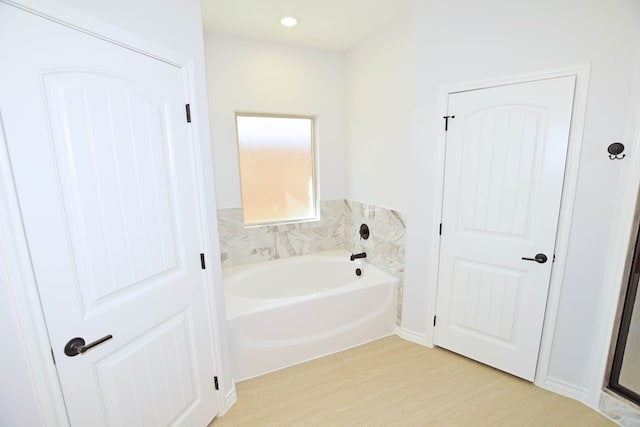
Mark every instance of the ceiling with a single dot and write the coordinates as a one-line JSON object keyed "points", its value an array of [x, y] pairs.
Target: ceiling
{"points": [[334, 25]]}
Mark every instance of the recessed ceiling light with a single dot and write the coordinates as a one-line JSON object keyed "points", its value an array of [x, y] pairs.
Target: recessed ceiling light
{"points": [[289, 21]]}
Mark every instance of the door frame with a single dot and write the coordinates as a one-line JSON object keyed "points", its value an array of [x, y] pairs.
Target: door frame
{"points": [[582, 74], [619, 266], [14, 254]]}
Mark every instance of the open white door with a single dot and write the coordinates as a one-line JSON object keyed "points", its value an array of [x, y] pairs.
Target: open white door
{"points": [[104, 168], [504, 170]]}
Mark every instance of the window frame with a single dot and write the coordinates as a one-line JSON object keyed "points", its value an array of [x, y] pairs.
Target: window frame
{"points": [[314, 167]]}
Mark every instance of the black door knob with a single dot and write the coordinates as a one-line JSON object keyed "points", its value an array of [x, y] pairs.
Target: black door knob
{"points": [[77, 345], [539, 258]]}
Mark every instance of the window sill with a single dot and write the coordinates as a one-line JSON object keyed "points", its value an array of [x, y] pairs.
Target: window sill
{"points": [[282, 222]]}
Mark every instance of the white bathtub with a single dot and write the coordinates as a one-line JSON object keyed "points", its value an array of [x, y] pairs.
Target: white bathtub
{"points": [[288, 311]]}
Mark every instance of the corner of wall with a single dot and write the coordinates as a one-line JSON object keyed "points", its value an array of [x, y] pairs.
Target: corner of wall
{"points": [[413, 337]]}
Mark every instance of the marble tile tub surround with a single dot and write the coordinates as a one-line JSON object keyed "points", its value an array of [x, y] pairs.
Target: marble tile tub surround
{"points": [[385, 245], [244, 245], [616, 408], [337, 229]]}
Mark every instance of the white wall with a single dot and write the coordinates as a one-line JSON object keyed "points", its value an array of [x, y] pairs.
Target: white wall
{"points": [[379, 78], [169, 24], [466, 41], [174, 24], [250, 76]]}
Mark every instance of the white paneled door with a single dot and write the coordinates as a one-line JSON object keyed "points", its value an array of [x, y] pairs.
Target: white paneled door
{"points": [[505, 159], [104, 168]]}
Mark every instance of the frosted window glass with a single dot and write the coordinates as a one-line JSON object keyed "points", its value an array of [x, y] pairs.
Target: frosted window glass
{"points": [[276, 168]]}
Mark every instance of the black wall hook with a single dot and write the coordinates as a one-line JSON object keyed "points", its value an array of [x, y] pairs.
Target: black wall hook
{"points": [[615, 150]]}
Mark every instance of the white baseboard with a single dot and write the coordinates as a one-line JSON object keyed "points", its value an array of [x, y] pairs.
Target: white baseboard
{"points": [[567, 389], [229, 399], [412, 336]]}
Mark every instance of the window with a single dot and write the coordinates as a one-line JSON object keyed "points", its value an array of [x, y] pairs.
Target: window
{"points": [[277, 168]]}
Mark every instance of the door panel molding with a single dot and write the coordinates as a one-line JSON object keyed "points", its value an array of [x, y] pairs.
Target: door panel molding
{"points": [[14, 249], [582, 74]]}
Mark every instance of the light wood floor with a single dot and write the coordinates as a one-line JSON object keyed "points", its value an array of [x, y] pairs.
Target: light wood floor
{"points": [[392, 382]]}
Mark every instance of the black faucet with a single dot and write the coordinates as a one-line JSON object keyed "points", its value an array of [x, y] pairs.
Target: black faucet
{"points": [[358, 256]]}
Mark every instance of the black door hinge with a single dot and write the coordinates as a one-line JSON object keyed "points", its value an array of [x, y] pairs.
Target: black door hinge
{"points": [[202, 264], [446, 121], [434, 320], [188, 109], [215, 383], [554, 258], [440, 232], [53, 356]]}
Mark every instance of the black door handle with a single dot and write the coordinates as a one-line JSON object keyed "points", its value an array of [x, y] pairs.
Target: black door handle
{"points": [[77, 345], [539, 258]]}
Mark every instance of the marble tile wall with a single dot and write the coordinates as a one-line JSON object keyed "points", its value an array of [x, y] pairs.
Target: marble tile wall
{"points": [[385, 245], [616, 408], [242, 245], [337, 229]]}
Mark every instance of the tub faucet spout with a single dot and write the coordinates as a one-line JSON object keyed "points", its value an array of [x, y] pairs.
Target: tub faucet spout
{"points": [[358, 256]]}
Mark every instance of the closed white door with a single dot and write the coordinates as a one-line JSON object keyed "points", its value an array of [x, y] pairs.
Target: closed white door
{"points": [[104, 169], [505, 159]]}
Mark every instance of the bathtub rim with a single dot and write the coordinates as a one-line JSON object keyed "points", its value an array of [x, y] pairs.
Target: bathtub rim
{"points": [[373, 276]]}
